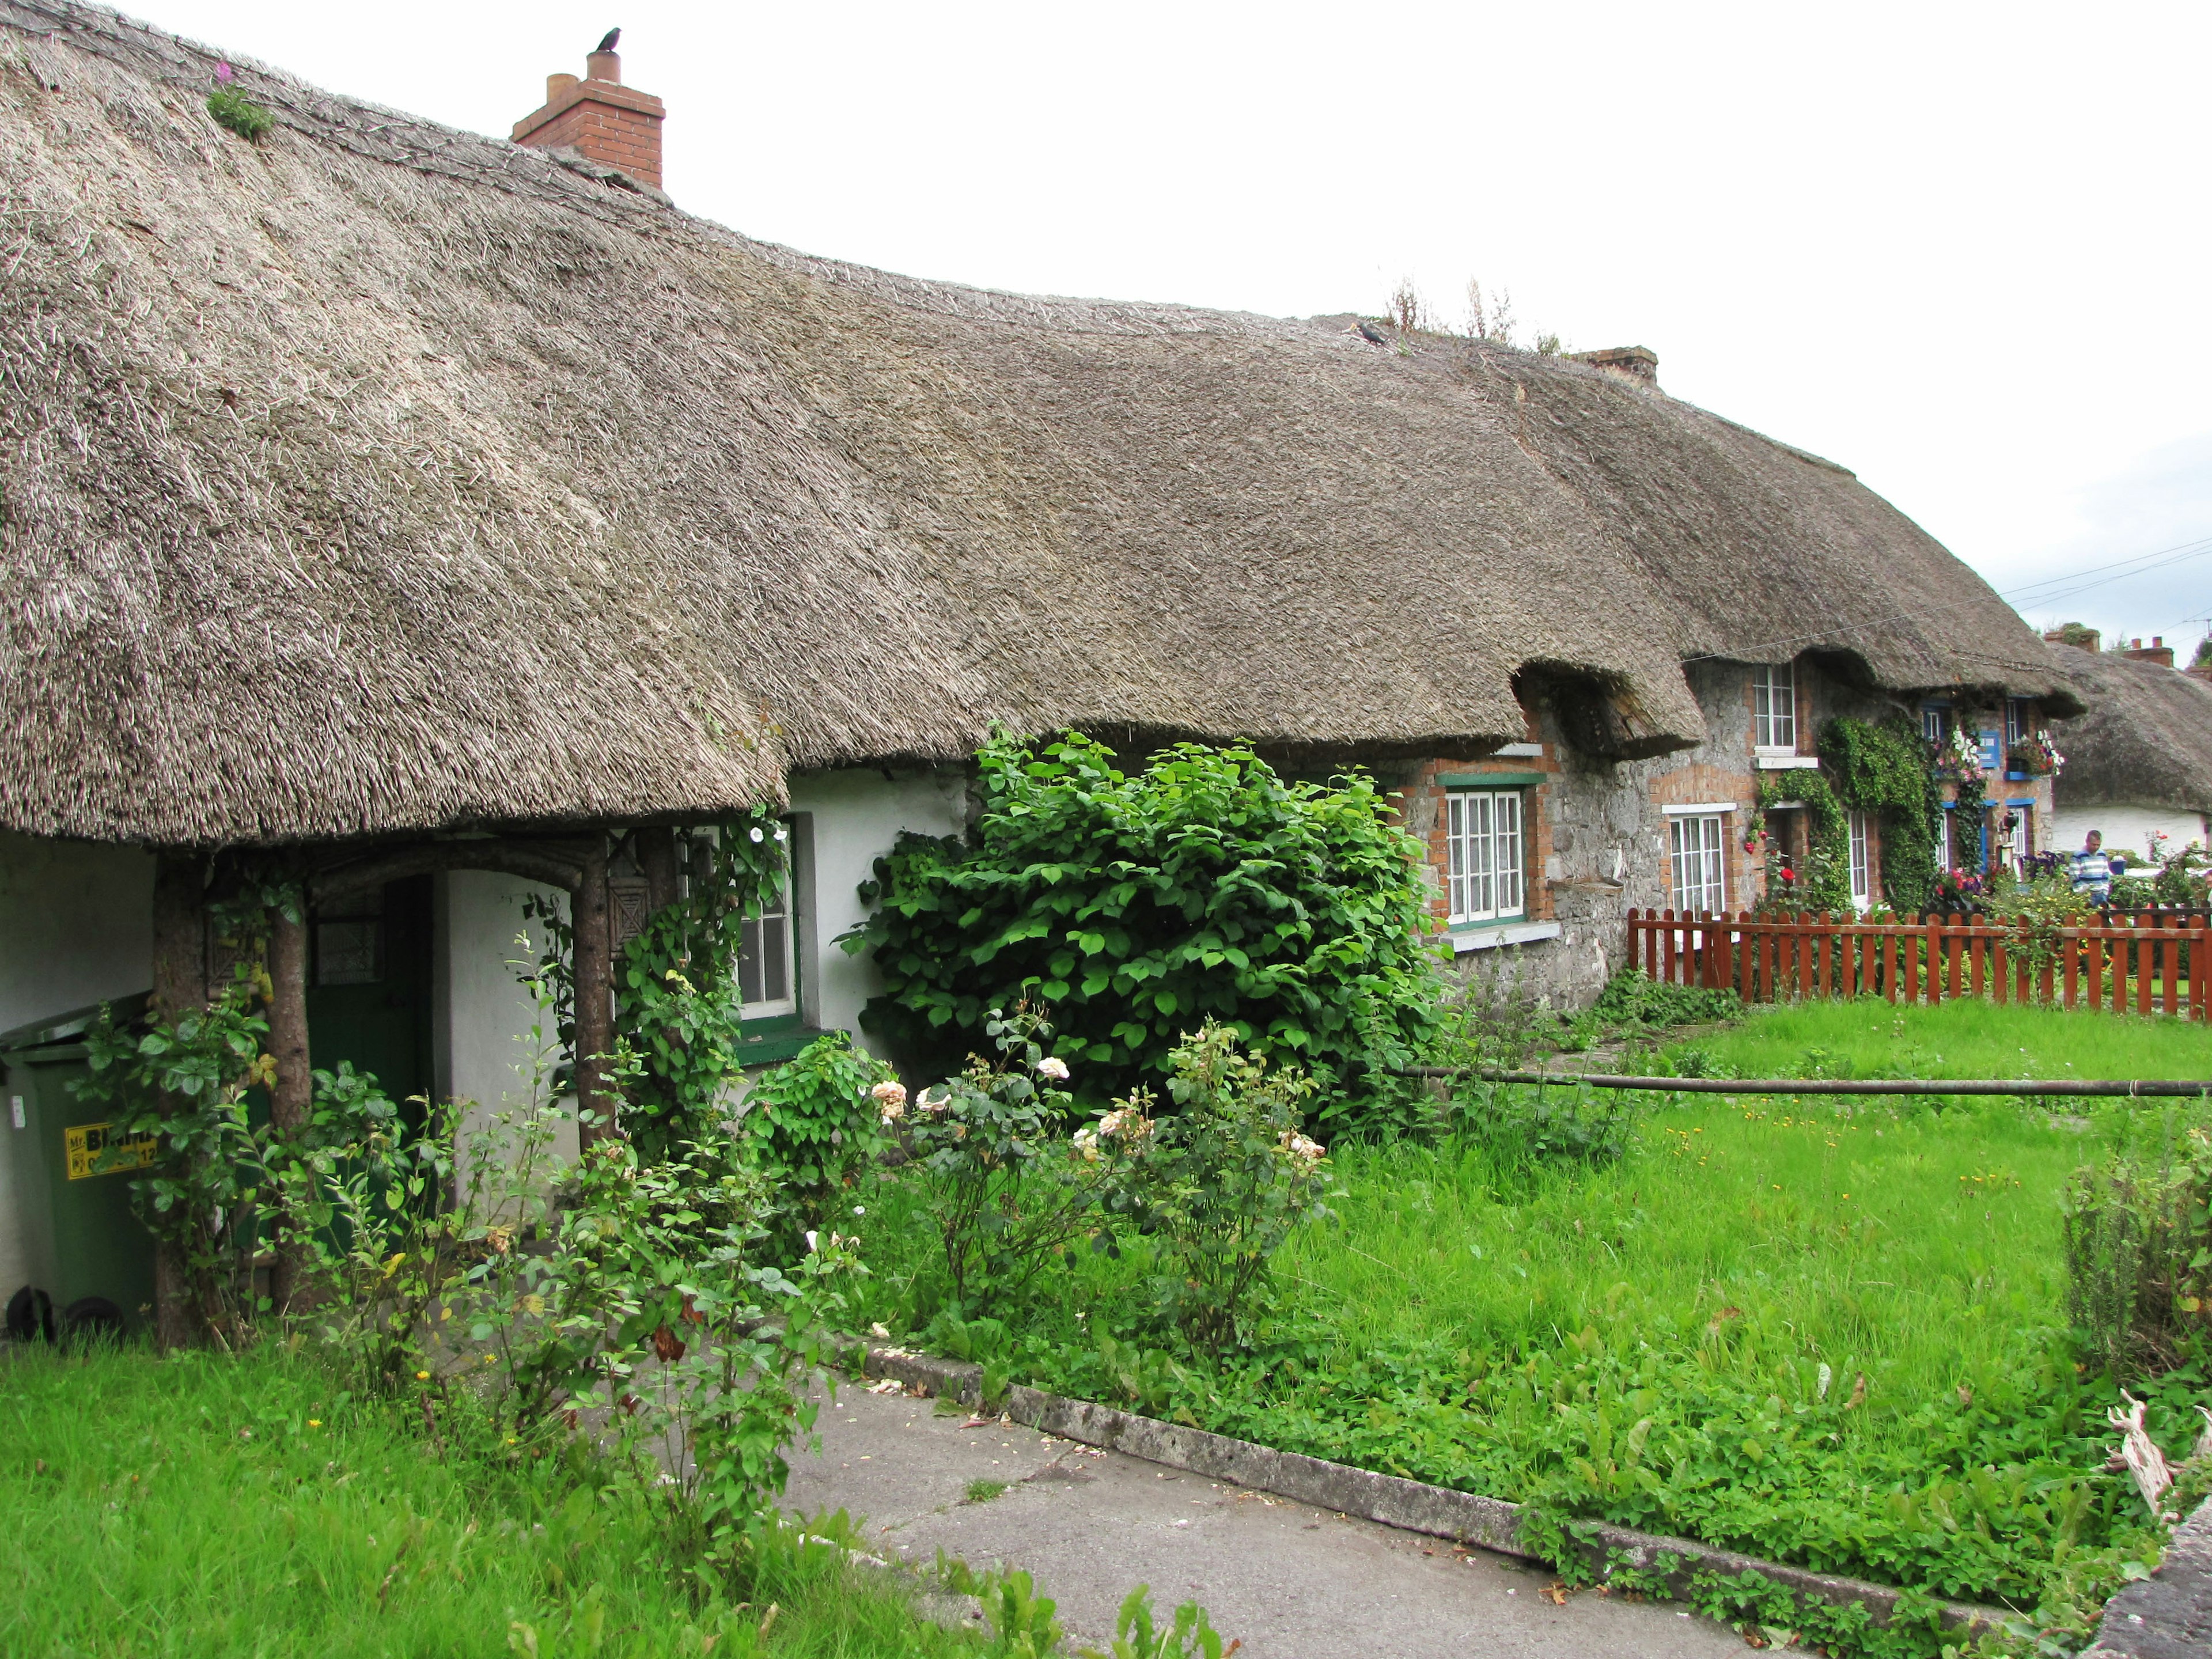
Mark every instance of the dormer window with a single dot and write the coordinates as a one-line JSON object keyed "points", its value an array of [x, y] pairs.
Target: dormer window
{"points": [[1774, 709]]}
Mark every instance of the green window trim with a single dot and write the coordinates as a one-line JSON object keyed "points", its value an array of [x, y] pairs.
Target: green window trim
{"points": [[1492, 780], [770, 1042]]}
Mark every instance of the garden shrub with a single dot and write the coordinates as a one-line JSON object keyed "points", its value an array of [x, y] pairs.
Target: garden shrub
{"points": [[1135, 906], [1633, 997], [1004, 1188], [1218, 1185], [812, 1125], [2138, 1233]]}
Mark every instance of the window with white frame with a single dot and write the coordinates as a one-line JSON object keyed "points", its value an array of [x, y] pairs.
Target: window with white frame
{"points": [[768, 983], [1774, 707], [1698, 846], [1943, 859], [1935, 722], [1861, 863], [2016, 721], [1483, 875]]}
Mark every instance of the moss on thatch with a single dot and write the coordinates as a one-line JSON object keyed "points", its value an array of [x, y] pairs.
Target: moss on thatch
{"points": [[379, 476]]}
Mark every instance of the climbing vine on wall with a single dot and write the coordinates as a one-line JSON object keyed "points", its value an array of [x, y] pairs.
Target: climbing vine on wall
{"points": [[678, 1009], [1821, 880], [1887, 769]]}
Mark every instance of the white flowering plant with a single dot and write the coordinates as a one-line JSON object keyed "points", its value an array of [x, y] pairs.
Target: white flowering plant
{"points": [[1009, 1188], [1217, 1184]]}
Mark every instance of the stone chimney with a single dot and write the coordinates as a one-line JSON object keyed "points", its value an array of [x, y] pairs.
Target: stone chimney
{"points": [[2157, 651], [1638, 362], [600, 118], [2085, 639]]}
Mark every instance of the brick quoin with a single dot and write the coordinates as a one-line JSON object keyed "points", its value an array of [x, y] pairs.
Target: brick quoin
{"points": [[615, 125]]}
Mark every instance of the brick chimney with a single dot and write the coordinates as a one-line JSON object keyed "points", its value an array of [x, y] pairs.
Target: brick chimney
{"points": [[2157, 651], [1638, 362], [2085, 639], [600, 117]]}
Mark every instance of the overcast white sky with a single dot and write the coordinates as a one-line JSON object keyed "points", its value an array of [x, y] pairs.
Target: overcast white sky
{"points": [[1964, 250]]}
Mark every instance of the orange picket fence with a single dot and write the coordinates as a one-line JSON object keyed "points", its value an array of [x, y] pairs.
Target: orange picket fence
{"points": [[2154, 963]]}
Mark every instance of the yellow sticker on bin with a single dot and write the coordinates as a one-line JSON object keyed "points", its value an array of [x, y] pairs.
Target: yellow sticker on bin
{"points": [[89, 1151]]}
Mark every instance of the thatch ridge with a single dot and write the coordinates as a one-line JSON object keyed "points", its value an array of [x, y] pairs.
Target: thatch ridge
{"points": [[382, 477], [2146, 738]]}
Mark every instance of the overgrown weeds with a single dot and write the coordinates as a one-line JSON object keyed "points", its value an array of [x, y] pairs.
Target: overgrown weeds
{"points": [[2137, 1235]]}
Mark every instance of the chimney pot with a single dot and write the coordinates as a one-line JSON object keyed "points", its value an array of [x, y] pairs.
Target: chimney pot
{"points": [[2157, 640], [558, 84], [2157, 651], [1638, 362], [604, 66]]}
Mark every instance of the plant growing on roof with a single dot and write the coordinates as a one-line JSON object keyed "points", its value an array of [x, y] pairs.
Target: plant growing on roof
{"points": [[233, 110], [1138, 905]]}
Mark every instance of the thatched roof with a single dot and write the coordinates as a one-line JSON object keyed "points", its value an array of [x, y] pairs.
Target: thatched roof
{"points": [[381, 477], [2146, 740]]}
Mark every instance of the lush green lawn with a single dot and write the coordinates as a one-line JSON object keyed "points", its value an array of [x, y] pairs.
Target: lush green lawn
{"points": [[1829, 1331], [1956, 1039], [206, 1506]]}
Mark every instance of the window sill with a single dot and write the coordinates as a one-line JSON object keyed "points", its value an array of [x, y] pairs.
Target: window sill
{"points": [[1489, 935], [773, 1041], [1785, 762]]}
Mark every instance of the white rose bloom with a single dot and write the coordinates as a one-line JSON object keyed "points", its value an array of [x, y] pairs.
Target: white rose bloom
{"points": [[809, 1241], [757, 835], [1053, 1066]]}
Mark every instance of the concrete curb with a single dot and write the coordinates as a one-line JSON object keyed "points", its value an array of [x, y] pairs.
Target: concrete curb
{"points": [[1409, 1505], [2167, 1615]]}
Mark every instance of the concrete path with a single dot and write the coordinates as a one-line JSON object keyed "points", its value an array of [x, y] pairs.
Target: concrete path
{"points": [[1293, 1582]]}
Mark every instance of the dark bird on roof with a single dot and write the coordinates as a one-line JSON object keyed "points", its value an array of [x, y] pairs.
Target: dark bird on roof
{"points": [[1370, 333], [608, 45]]}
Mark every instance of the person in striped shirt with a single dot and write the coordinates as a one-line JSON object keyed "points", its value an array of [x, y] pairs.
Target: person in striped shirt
{"points": [[2093, 871]]}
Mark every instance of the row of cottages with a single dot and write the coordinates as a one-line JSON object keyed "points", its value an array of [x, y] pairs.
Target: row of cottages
{"points": [[2139, 758], [465, 520]]}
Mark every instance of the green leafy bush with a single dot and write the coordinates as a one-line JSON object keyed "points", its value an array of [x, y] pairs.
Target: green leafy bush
{"points": [[813, 1124], [239, 113], [1633, 997], [1202, 887], [1005, 1190], [1218, 1185]]}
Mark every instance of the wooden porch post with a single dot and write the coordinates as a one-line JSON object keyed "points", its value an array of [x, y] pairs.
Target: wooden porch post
{"points": [[593, 968], [293, 1091], [179, 982], [656, 859]]}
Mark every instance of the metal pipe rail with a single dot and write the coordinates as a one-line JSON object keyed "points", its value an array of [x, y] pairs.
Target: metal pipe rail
{"points": [[2126, 1088]]}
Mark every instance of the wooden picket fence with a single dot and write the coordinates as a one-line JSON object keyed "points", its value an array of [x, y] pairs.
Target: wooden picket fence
{"points": [[2154, 963]]}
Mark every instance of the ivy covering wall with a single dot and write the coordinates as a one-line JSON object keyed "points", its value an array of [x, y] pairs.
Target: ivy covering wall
{"points": [[1885, 769]]}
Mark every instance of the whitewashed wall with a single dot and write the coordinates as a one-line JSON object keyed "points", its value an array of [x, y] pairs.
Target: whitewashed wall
{"points": [[481, 1017], [76, 927], [847, 820], [2125, 826]]}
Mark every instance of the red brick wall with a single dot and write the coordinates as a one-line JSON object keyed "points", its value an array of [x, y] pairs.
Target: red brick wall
{"points": [[611, 124]]}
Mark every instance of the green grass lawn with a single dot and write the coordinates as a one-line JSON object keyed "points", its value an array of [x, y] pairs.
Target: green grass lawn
{"points": [[207, 1506], [1826, 1330]]}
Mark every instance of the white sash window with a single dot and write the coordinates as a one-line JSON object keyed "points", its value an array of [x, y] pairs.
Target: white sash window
{"points": [[1698, 846], [1774, 709], [1483, 872]]}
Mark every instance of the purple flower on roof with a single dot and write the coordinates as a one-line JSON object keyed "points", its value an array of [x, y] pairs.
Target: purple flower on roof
{"points": [[224, 74]]}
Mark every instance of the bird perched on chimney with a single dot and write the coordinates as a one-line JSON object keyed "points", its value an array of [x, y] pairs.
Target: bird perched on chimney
{"points": [[608, 45]]}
